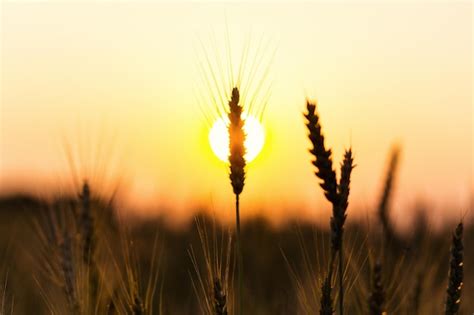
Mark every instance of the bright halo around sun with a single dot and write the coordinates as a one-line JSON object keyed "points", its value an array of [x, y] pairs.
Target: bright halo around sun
{"points": [[254, 138]]}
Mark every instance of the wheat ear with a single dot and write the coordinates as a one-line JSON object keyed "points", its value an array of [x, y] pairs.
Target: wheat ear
{"points": [[377, 294], [323, 160], [383, 208]]}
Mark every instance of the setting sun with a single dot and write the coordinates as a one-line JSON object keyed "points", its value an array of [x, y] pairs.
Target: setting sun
{"points": [[219, 138]]}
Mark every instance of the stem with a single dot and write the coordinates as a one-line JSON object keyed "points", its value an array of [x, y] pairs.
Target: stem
{"points": [[239, 256], [341, 286]]}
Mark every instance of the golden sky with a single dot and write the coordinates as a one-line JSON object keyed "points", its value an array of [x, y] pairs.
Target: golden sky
{"points": [[115, 84]]}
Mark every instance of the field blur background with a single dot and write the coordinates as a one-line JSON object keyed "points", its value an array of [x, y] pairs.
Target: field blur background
{"points": [[106, 92]]}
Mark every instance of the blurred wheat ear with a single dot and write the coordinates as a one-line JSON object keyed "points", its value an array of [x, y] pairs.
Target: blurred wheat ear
{"points": [[383, 207], [456, 273], [377, 293], [69, 276], [337, 194], [237, 176], [213, 285]]}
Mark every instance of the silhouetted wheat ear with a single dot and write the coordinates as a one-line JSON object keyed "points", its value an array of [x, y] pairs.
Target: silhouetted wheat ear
{"points": [[453, 299], [326, 300], [323, 160], [377, 294], [220, 299], [68, 274], [339, 212], [236, 143]]}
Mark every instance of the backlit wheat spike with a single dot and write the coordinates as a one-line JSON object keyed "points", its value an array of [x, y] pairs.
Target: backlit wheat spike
{"points": [[236, 142], [456, 273], [323, 160]]}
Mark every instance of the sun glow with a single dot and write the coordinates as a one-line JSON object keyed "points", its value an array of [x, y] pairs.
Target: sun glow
{"points": [[254, 138]]}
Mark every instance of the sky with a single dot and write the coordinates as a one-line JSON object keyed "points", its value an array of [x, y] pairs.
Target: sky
{"points": [[116, 93]]}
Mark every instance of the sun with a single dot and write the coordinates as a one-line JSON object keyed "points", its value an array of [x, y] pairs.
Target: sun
{"points": [[254, 138]]}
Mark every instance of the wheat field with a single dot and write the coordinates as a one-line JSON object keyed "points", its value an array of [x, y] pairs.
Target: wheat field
{"points": [[77, 255], [323, 169]]}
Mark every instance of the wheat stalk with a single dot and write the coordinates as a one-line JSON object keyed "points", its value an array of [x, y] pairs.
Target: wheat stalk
{"points": [[237, 175], [453, 296], [335, 193], [339, 218]]}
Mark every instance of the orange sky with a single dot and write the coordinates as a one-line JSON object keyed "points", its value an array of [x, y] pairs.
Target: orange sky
{"points": [[117, 82]]}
